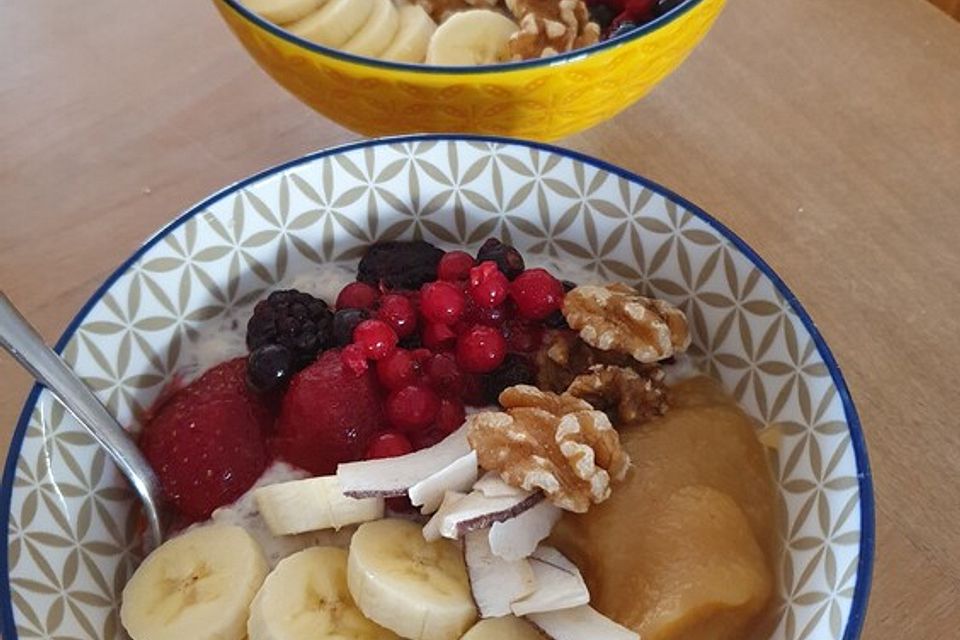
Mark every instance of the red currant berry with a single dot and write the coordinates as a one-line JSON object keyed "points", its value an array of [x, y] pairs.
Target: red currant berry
{"points": [[444, 375], [397, 311], [536, 293], [450, 417], [492, 317], [488, 286], [398, 370], [376, 337], [441, 302], [420, 357], [454, 266], [357, 295], [413, 297], [481, 349], [473, 391], [354, 359], [389, 444], [438, 336], [412, 408]]}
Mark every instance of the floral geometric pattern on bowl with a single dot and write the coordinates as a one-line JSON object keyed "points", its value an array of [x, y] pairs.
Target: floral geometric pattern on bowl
{"points": [[72, 525]]}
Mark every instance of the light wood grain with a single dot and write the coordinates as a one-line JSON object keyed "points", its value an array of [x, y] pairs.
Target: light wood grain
{"points": [[826, 133]]}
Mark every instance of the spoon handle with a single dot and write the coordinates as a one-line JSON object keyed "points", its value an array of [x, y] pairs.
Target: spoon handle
{"points": [[27, 346]]}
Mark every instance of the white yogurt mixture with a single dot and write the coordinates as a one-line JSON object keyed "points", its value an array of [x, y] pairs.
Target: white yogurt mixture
{"points": [[244, 513]]}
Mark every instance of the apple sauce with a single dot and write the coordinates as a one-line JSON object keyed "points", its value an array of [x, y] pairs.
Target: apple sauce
{"points": [[685, 546]]}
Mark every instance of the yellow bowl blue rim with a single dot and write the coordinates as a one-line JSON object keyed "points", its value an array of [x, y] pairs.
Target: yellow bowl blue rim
{"points": [[858, 608], [561, 59]]}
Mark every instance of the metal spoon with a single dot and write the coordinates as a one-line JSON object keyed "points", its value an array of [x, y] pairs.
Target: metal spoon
{"points": [[26, 345]]}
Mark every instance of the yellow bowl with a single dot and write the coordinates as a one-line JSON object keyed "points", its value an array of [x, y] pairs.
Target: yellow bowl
{"points": [[539, 99]]}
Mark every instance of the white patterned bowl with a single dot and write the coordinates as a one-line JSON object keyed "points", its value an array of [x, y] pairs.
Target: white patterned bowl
{"points": [[71, 523]]}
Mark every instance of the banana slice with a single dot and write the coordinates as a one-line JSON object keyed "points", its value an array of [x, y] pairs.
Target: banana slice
{"points": [[283, 11], [313, 504], [335, 23], [416, 588], [506, 628], [378, 31], [306, 598], [198, 585], [474, 37], [413, 36]]}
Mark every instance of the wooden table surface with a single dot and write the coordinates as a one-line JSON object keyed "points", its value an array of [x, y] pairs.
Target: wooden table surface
{"points": [[826, 133]]}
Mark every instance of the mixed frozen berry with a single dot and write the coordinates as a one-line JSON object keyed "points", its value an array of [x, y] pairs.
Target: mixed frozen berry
{"points": [[285, 333], [507, 258], [207, 442], [344, 322], [616, 17], [455, 266], [400, 265], [329, 414], [357, 295], [399, 312], [421, 335]]}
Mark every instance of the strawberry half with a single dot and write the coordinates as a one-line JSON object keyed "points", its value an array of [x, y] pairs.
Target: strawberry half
{"points": [[329, 415], [206, 441]]}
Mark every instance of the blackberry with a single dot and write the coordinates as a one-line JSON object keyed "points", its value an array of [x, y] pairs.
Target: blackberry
{"points": [[515, 370], [292, 319], [508, 259], [399, 265], [344, 322], [269, 367], [568, 285]]}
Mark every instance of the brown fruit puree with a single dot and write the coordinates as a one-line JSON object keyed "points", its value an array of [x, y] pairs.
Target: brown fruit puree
{"points": [[684, 548]]}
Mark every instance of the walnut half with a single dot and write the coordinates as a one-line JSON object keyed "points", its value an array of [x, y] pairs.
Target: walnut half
{"points": [[549, 27], [615, 317], [563, 356], [626, 395], [556, 443]]}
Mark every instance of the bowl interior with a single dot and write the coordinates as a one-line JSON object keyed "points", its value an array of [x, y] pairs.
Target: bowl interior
{"points": [[72, 526]]}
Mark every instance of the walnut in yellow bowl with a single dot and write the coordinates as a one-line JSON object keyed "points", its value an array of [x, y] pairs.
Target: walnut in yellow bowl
{"points": [[551, 91]]}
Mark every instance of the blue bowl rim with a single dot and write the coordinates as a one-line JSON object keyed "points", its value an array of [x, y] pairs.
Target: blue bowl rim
{"points": [[861, 594], [557, 60]]}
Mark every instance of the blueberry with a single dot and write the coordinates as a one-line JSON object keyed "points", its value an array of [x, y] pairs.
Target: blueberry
{"points": [[508, 259], [344, 322], [269, 367]]}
